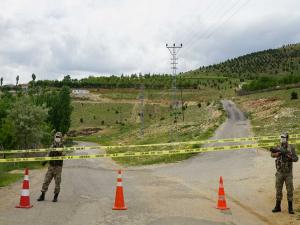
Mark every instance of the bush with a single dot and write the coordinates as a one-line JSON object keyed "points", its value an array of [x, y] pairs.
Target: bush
{"points": [[81, 120], [294, 95]]}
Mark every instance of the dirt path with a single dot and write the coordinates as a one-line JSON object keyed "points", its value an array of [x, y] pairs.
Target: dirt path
{"points": [[173, 194]]}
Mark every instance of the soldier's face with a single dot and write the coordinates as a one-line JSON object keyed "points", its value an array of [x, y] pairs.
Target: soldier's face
{"points": [[283, 140], [57, 139]]}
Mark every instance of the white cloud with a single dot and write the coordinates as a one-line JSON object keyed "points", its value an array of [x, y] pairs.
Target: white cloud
{"points": [[54, 38]]}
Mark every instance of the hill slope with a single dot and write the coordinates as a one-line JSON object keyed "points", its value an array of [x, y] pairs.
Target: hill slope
{"points": [[274, 62]]}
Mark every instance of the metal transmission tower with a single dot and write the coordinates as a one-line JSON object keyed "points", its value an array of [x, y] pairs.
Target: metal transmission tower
{"points": [[142, 109], [174, 50]]}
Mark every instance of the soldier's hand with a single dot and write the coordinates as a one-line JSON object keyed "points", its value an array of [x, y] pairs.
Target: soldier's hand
{"points": [[289, 156], [44, 163], [277, 154]]}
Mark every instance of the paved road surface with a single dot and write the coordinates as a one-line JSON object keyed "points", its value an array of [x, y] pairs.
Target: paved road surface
{"points": [[182, 193]]}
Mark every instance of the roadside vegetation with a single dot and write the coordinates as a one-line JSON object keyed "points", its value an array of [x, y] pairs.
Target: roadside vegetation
{"points": [[28, 119], [272, 113], [149, 81]]}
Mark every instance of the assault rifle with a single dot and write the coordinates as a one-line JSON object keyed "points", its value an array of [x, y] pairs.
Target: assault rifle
{"points": [[283, 152]]}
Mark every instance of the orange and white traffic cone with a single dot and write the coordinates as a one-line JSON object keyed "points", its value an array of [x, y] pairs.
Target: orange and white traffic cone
{"points": [[119, 199], [221, 198], [25, 198]]}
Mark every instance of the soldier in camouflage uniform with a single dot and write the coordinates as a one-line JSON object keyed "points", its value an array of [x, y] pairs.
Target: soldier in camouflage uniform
{"points": [[285, 157], [54, 169]]}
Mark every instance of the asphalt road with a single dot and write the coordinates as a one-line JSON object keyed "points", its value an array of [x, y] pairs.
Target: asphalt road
{"points": [[182, 193]]}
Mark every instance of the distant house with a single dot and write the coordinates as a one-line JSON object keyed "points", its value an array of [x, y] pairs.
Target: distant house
{"points": [[24, 87], [80, 91]]}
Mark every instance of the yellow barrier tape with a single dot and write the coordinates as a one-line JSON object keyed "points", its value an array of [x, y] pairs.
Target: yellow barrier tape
{"points": [[262, 138], [49, 149], [145, 153]]}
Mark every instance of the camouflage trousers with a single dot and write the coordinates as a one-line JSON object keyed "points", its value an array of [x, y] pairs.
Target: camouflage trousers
{"points": [[286, 178], [53, 172]]}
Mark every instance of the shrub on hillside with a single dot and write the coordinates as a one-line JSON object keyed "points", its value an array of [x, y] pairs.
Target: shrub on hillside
{"points": [[294, 95]]}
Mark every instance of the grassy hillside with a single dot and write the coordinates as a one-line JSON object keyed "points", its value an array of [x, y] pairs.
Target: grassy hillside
{"points": [[117, 113], [273, 112], [275, 62]]}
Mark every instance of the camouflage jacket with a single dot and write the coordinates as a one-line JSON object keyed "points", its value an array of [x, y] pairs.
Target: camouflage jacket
{"points": [[284, 164], [54, 154]]}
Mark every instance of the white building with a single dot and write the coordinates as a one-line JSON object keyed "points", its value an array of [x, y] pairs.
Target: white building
{"points": [[80, 91]]}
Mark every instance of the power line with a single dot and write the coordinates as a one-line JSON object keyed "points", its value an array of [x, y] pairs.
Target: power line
{"points": [[196, 36], [223, 19], [212, 9], [228, 18]]}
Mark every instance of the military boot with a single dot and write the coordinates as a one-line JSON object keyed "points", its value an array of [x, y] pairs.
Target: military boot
{"points": [[291, 211], [277, 207], [42, 197], [55, 197]]}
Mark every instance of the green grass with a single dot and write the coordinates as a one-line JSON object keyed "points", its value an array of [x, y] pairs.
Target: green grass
{"points": [[204, 94], [94, 114], [7, 178], [148, 160], [283, 117], [199, 122], [267, 124]]}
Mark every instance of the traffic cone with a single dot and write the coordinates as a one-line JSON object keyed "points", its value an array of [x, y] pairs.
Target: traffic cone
{"points": [[119, 200], [25, 198], [221, 200]]}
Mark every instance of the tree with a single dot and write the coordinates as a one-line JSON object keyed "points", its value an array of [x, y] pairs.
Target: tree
{"points": [[17, 80], [294, 95], [67, 81], [60, 110], [26, 124], [33, 77]]}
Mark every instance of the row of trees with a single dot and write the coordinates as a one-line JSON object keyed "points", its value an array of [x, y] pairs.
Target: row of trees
{"points": [[28, 120], [17, 79], [271, 81], [155, 81]]}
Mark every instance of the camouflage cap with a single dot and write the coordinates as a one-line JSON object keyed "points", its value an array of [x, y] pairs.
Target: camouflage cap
{"points": [[284, 135], [58, 134]]}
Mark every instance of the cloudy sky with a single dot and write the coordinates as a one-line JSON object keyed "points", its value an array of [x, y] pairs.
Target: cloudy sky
{"points": [[87, 37]]}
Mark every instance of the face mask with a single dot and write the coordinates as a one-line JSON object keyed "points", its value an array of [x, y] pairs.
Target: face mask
{"points": [[283, 140]]}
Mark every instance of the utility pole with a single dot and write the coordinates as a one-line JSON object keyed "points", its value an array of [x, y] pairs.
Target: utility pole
{"points": [[173, 51], [142, 108]]}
